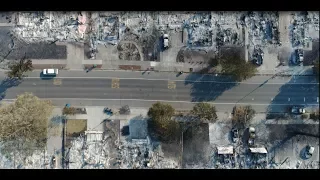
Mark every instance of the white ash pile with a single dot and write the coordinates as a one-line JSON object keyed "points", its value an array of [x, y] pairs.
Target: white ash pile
{"points": [[166, 21], [109, 29], [299, 30], [227, 28], [303, 24], [199, 29], [38, 160], [314, 19], [5, 163], [50, 26], [263, 27], [93, 155], [142, 156], [227, 36], [137, 22]]}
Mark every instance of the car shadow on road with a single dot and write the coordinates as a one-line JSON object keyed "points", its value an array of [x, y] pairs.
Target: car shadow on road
{"points": [[210, 87], [46, 77], [290, 94], [7, 84]]}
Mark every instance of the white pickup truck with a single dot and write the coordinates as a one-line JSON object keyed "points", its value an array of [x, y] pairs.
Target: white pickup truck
{"points": [[50, 71]]}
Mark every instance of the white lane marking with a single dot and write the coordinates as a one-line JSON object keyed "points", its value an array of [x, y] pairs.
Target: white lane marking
{"points": [[288, 99], [177, 80], [144, 100]]}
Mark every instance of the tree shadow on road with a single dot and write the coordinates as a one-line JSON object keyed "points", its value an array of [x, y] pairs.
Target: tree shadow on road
{"points": [[207, 87], [290, 94], [6, 84]]}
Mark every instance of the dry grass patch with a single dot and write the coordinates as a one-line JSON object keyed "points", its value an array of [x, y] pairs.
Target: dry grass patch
{"points": [[75, 127]]}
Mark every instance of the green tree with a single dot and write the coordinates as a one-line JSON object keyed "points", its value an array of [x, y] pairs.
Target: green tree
{"points": [[238, 68], [161, 123], [205, 112], [242, 115], [24, 123], [17, 68]]}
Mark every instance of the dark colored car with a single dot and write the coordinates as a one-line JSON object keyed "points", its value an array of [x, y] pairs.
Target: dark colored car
{"points": [[235, 135]]}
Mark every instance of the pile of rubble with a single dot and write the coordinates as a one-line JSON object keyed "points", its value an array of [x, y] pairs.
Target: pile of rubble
{"points": [[199, 30], [263, 28], [38, 160], [142, 156], [93, 155], [172, 20], [314, 19], [226, 37], [299, 30], [50, 26], [137, 22]]}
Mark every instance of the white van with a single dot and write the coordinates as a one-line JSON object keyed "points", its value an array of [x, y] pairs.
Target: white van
{"points": [[50, 71]]}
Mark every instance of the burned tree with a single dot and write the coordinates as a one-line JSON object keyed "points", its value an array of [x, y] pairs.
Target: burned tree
{"points": [[69, 111], [19, 67], [161, 123], [124, 110], [24, 123], [242, 116], [205, 112]]}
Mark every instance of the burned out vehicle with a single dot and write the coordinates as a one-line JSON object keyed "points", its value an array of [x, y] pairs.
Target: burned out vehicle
{"points": [[309, 151], [257, 57], [235, 135], [225, 157], [258, 158], [299, 57], [252, 136]]}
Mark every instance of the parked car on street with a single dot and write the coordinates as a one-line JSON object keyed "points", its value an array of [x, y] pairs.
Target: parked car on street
{"points": [[50, 71], [298, 110]]}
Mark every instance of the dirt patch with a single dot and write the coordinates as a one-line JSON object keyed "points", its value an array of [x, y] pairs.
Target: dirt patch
{"points": [[129, 67], [128, 51], [172, 150], [75, 127], [194, 56], [195, 144], [88, 66], [46, 66]]}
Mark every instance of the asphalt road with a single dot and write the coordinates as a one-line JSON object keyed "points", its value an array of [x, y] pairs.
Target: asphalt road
{"points": [[137, 87]]}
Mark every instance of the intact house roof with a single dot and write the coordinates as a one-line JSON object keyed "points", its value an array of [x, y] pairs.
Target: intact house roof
{"points": [[138, 129], [225, 150], [260, 150]]}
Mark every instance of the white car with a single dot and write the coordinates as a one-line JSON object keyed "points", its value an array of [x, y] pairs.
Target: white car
{"points": [[166, 40], [50, 71]]}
